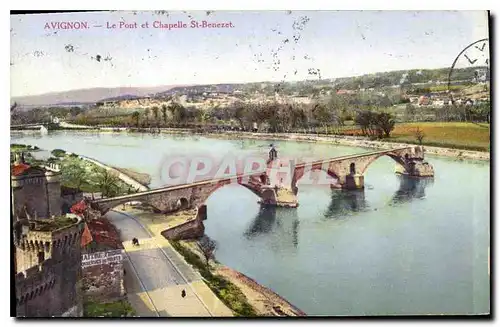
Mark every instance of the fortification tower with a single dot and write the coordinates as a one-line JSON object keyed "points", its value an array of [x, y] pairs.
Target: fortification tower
{"points": [[36, 192], [48, 267]]}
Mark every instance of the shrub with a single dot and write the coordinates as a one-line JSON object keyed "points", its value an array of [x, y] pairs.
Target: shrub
{"points": [[58, 153]]}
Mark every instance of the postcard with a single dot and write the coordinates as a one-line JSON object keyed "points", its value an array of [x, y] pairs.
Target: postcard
{"points": [[250, 163]]}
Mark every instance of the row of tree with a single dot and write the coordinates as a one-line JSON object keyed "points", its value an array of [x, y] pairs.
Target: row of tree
{"points": [[329, 113]]}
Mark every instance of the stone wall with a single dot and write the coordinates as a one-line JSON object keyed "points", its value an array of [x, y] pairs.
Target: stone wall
{"points": [[68, 200], [188, 230], [102, 275], [51, 288], [41, 194]]}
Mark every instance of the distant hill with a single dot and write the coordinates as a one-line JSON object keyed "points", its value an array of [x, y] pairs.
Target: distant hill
{"points": [[121, 97], [376, 80], [86, 96]]}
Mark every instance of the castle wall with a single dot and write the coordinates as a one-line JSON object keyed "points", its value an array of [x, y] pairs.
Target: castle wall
{"points": [[33, 196], [41, 194], [69, 200], [54, 200], [102, 275], [51, 288]]}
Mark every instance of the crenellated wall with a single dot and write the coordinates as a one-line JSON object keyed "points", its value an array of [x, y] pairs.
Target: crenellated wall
{"points": [[49, 270]]}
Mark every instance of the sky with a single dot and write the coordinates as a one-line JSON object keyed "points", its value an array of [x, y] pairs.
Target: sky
{"points": [[260, 46]]}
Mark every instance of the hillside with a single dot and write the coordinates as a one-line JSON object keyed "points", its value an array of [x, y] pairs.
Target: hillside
{"points": [[406, 78], [91, 95]]}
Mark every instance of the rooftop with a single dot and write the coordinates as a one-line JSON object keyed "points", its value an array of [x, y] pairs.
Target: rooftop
{"points": [[25, 169], [104, 235], [48, 225]]}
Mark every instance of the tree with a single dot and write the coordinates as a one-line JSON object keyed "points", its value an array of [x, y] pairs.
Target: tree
{"points": [[135, 116], [364, 119], [240, 113], [107, 182], [147, 111], [207, 248], [178, 112], [74, 174], [203, 115], [338, 106], [323, 115], [58, 153], [164, 113], [155, 114], [419, 135], [385, 123], [298, 116]]}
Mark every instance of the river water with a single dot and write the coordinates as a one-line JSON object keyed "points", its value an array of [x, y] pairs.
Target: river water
{"points": [[399, 247]]}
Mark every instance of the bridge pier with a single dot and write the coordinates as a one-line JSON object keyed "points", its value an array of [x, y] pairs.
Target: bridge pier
{"points": [[353, 182], [416, 168], [278, 197]]}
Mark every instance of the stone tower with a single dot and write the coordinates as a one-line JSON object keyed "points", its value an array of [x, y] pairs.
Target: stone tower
{"points": [[48, 267], [36, 192]]}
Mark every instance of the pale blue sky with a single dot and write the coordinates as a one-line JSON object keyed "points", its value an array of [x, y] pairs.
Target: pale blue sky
{"points": [[339, 43]]}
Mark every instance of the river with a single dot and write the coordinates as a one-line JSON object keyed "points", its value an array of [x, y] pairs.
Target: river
{"points": [[398, 247]]}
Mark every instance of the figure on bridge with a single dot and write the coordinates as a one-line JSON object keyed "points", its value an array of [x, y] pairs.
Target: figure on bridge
{"points": [[135, 242], [273, 153]]}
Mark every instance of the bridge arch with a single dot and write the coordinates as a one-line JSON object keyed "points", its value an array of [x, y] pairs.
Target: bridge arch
{"points": [[363, 166], [308, 168], [254, 188], [182, 203]]}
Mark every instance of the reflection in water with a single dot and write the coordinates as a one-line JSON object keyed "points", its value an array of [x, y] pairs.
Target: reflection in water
{"points": [[284, 222], [411, 188], [344, 202], [286, 226], [263, 222]]}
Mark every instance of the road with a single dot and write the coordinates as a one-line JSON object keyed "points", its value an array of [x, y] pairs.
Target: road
{"points": [[156, 275]]}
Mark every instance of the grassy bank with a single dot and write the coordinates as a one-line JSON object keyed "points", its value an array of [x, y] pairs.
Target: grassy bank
{"points": [[456, 135], [23, 147], [229, 293], [119, 308]]}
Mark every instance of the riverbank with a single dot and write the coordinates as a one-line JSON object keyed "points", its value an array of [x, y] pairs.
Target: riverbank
{"points": [[124, 177], [355, 141], [239, 292], [236, 289]]}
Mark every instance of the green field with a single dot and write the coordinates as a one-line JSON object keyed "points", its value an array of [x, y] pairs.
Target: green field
{"points": [[469, 136]]}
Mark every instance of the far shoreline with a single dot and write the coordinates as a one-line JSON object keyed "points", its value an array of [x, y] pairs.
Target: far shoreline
{"points": [[360, 142]]}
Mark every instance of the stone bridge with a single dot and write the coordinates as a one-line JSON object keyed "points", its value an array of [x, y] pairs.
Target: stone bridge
{"points": [[278, 184]]}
